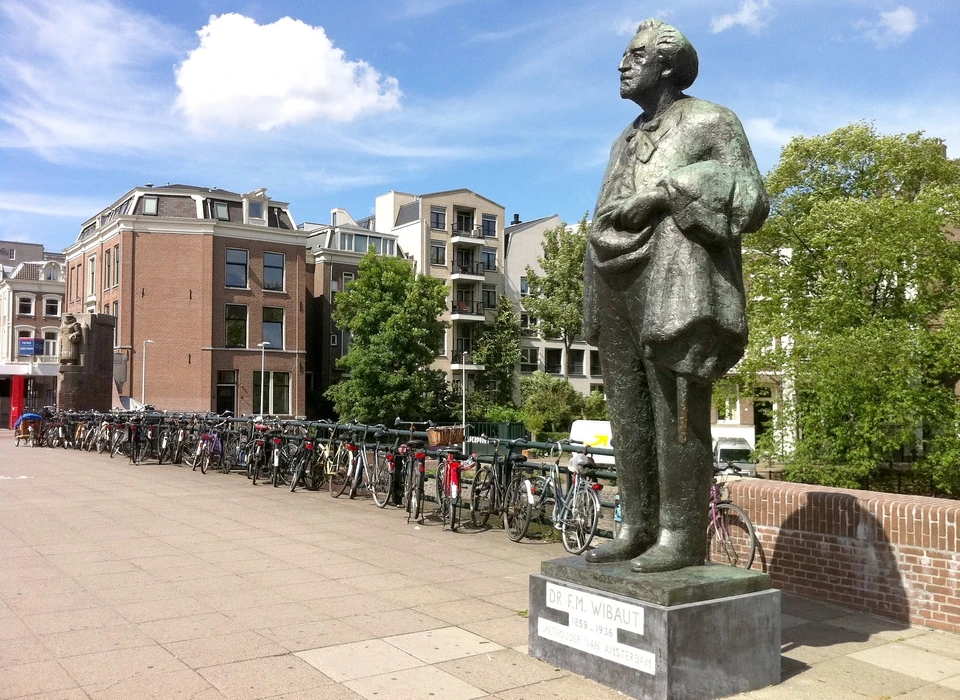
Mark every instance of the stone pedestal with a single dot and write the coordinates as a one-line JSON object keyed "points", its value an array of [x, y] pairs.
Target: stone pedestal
{"points": [[88, 384], [701, 632]]}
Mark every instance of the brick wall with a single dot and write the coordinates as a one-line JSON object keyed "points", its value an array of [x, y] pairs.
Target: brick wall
{"points": [[886, 554]]}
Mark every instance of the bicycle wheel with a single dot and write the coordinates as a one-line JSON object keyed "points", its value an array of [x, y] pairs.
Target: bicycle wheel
{"points": [[298, 470], [416, 503], [257, 462], [580, 524], [731, 538], [231, 450], [481, 497], [204, 458], [516, 510], [359, 469], [315, 473], [188, 451], [338, 475], [381, 479]]}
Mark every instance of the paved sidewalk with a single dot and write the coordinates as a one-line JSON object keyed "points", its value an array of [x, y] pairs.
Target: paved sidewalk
{"points": [[123, 582]]}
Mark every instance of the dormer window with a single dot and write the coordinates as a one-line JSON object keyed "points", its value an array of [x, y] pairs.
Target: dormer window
{"points": [[255, 209], [150, 206], [220, 211]]}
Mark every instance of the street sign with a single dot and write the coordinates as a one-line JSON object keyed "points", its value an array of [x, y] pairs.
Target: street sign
{"points": [[31, 346]]}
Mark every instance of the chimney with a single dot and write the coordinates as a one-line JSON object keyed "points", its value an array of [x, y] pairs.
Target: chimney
{"points": [[516, 220], [149, 184]]}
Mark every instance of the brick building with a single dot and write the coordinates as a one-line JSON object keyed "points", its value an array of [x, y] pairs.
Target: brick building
{"points": [[202, 276], [31, 301]]}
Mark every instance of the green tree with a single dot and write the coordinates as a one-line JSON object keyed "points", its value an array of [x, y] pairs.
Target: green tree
{"points": [[556, 295], [548, 403], [393, 317], [595, 407], [498, 349], [853, 283]]}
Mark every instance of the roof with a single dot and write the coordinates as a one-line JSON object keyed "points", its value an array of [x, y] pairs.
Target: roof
{"points": [[407, 213], [459, 191], [195, 188], [31, 271], [517, 228]]}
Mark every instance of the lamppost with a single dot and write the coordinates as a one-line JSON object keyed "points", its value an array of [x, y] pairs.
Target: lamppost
{"points": [[143, 374], [263, 374], [464, 359]]}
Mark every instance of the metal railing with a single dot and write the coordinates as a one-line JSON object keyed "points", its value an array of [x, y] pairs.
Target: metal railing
{"points": [[474, 308]]}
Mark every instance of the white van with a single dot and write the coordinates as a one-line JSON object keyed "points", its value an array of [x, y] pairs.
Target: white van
{"points": [[735, 452]]}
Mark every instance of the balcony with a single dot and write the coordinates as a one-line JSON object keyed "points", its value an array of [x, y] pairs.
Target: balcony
{"points": [[463, 356], [468, 270], [467, 311], [467, 236]]}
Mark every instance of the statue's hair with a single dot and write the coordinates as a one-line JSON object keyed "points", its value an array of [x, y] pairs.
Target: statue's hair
{"points": [[675, 50]]}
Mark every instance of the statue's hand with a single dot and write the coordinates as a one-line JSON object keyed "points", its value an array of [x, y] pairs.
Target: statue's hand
{"points": [[634, 213]]}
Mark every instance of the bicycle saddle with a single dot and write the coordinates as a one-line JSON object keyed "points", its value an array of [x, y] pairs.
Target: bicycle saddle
{"points": [[516, 459], [415, 443]]}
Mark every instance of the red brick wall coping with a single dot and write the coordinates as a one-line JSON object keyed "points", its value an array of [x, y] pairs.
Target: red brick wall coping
{"points": [[891, 555]]}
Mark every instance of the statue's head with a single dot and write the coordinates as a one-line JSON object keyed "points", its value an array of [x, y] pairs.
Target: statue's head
{"points": [[69, 318], [657, 53]]}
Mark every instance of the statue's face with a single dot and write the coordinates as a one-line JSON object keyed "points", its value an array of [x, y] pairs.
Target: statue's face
{"points": [[641, 68]]}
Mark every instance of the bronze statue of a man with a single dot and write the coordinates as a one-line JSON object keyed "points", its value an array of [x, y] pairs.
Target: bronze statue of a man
{"points": [[663, 294], [70, 339]]}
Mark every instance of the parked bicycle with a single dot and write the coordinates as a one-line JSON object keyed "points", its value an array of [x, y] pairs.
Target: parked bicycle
{"points": [[731, 538]]}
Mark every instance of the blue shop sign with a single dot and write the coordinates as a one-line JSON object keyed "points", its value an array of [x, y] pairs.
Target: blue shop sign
{"points": [[31, 346]]}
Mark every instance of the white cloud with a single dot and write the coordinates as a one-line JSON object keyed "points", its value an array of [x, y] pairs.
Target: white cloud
{"points": [[72, 79], [893, 27], [244, 75], [753, 14], [49, 205], [766, 132]]}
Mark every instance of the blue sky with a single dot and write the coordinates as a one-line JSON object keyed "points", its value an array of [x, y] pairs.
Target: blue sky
{"points": [[330, 103]]}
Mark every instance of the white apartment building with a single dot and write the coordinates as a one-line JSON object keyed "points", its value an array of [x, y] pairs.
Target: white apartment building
{"points": [[456, 236], [524, 246]]}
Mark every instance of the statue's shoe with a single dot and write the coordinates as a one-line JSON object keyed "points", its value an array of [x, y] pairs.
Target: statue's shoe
{"points": [[619, 549], [662, 557]]}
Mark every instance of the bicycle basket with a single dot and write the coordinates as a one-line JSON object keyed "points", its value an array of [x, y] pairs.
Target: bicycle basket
{"points": [[446, 435]]}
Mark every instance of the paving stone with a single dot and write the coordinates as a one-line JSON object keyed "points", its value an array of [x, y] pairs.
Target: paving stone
{"points": [[103, 668], [434, 646], [497, 671], [910, 661], [223, 649], [92, 641], [266, 678], [425, 683], [371, 657], [33, 678]]}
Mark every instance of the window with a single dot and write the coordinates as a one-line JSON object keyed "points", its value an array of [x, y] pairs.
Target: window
{"points": [[347, 278], [51, 307], [276, 386], [227, 391], [221, 211], [576, 362], [254, 210], [116, 265], [438, 253], [116, 323], [107, 269], [438, 218], [554, 361], [489, 259], [92, 267], [596, 387], [347, 336], [273, 327], [333, 218], [595, 370], [52, 274], [273, 271], [529, 359], [236, 268], [21, 334], [25, 306], [728, 408], [50, 339], [334, 340], [236, 322], [528, 325], [489, 226], [150, 206], [489, 292], [524, 288], [464, 222]]}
